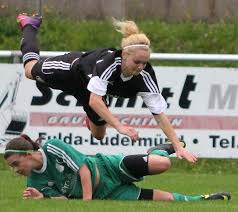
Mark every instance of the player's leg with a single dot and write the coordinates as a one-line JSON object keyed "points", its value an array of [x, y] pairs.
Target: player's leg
{"points": [[29, 46], [93, 121], [158, 195], [28, 68], [164, 149], [156, 162], [152, 194], [98, 131], [158, 157], [142, 165]]}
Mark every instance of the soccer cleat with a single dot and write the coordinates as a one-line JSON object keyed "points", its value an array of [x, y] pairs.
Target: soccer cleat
{"points": [[217, 196], [168, 147], [24, 19]]}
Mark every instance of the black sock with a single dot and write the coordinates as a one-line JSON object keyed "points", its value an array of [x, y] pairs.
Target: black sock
{"points": [[29, 46]]}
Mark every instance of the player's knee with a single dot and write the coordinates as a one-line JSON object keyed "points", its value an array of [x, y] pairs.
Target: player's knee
{"points": [[28, 68], [99, 137], [98, 132], [165, 164], [158, 164], [28, 75]]}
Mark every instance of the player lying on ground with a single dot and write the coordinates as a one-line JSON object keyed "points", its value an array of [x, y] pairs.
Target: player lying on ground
{"points": [[93, 75], [57, 170]]}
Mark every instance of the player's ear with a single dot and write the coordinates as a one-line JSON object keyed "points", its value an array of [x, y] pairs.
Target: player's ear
{"points": [[124, 53]]}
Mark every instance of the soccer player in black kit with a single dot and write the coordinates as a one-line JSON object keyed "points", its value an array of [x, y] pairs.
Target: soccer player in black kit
{"points": [[92, 75]]}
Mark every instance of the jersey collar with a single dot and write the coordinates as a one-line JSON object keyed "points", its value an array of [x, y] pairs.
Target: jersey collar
{"points": [[125, 78], [44, 162]]}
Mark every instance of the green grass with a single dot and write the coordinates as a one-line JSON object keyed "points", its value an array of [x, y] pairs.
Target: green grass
{"points": [[178, 179]]}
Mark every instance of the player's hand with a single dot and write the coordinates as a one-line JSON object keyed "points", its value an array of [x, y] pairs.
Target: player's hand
{"points": [[129, 131], [32, 193], [183, 153]]}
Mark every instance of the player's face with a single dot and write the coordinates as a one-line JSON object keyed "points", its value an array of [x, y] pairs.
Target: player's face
{"points": [[135, 61], [21, 164]]}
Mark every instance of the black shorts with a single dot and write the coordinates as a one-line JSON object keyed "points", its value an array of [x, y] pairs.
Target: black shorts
{"points": [[58, 73]]}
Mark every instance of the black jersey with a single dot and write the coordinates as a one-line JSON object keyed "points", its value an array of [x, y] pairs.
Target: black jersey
{"points": [[83, 67], [106, 78]]}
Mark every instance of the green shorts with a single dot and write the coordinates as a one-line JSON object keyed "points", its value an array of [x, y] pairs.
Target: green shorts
{"points": [[116, 183]]}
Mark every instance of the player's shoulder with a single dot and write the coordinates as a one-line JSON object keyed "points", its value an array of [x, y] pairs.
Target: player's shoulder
{"points": [[148, 68], [109, 56], [57, 143], [148, 71]]}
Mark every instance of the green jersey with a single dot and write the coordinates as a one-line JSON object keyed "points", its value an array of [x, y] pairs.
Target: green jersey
{"points": [[59, 175]]}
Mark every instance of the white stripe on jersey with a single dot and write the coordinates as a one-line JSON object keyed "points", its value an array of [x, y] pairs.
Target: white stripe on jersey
{"points": [[62, 154], [99, 61], [108, 74], [56, 65], [110, 69], [149, 82]]}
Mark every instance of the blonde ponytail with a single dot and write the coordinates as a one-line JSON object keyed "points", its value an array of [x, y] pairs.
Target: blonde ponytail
{"points": [[132, 36]]}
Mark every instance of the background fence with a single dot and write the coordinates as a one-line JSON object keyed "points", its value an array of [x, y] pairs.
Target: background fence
{"points": [[211, 10], [15, 55]]}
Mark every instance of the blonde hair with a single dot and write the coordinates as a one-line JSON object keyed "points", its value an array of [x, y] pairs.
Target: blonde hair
{"points": [[132, 36]]}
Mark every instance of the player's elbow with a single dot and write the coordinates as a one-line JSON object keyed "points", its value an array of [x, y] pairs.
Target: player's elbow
{"points": [[94, 101]]}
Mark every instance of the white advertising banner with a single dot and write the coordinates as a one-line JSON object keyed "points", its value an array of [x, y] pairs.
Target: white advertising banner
{"points": [[202, 107]]}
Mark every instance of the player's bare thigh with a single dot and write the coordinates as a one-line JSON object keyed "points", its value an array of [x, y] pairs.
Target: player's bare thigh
{"points": [[158, 164]]}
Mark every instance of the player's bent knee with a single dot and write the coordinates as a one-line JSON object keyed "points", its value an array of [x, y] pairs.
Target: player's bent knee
{"points": [[99, 137], [28, 75], [28, 68], [158, 164], [98, 132], [166, 164]]}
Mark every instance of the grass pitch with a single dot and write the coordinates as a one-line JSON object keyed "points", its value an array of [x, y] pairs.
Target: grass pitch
{"points": [[175, 180]]}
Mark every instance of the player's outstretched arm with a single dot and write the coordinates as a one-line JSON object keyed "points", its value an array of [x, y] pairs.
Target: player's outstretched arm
{"points": [[169, 131], [97, 104], [86, 182]]}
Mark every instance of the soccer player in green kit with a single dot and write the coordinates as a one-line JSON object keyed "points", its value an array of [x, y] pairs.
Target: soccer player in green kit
{"points": [[57, 170]]}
